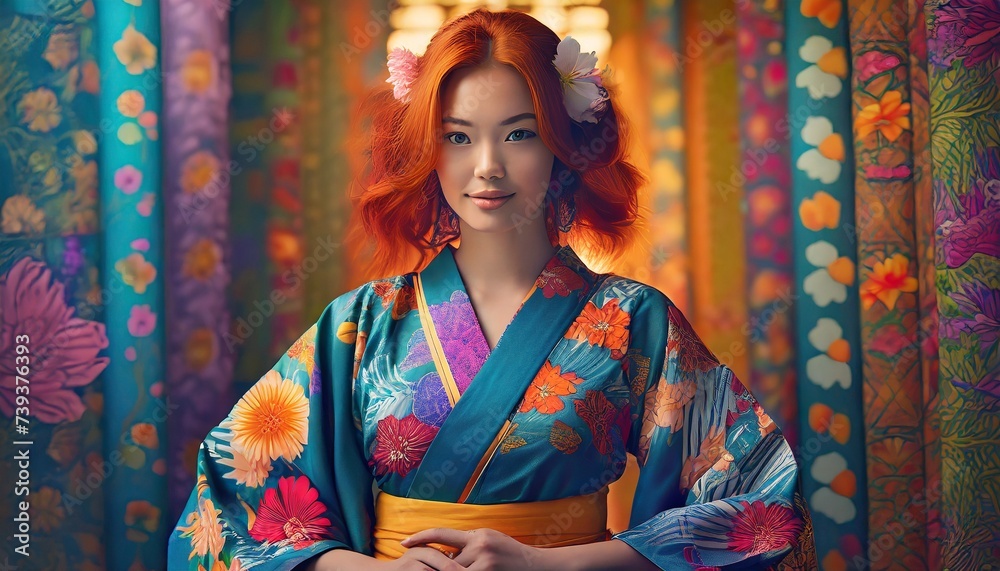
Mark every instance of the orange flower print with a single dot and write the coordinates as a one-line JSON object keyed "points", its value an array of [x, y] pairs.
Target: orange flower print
{"points": [[666, 405], [198, 170], [136, 271], [406, 301], [135, 51], [888, 280], [713, 448], [198, 71], [403, 295], [144, 434], [692, 354], [202, 260], [20, 215], [284, 247], [828, 11], [303, 349], [819, 212], [47, 508], [199, 348], [890, 116], [271, 420], [250, 473], [544, 392], [39, 110], [131, 103], [605, 327], [204, 529], [144, 515]]}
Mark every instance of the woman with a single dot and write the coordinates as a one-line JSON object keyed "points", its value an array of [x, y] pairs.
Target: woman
{"points": [[492, 396]]}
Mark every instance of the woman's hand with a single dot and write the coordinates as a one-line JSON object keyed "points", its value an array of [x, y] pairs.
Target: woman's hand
{"points": [[421, 559], [481, 549], [416, 559]]}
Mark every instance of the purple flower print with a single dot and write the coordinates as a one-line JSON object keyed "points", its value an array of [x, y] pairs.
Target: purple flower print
{"points": [[72, 257], [973, 225], [982, 306], [968, 29]]}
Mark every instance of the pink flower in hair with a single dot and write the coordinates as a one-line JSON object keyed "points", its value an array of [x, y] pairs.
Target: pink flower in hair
{"points": [[402, 72]]}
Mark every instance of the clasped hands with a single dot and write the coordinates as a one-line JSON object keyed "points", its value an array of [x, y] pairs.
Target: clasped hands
{"points": [[477, 550]]}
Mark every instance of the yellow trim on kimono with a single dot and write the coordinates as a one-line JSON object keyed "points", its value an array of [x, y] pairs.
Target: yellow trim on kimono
{"points": [[437, 350], [576, 520], [484, 461]]}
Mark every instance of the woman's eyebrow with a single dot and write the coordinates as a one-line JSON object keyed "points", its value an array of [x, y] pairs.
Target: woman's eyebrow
{"points": [[507, 121]]}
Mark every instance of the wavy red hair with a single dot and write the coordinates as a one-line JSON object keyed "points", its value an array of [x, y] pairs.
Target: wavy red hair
{"points": [[397, 199]]}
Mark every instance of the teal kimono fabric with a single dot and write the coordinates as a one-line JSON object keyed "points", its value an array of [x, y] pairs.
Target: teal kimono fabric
{"points": [[395, 388]]}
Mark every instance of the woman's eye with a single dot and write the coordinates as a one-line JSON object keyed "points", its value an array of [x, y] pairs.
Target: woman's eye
{"points": [[520, 135], [457, 138]]}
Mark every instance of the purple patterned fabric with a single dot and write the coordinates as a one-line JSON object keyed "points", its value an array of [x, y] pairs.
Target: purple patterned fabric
{"points": [[430, 401], [196, 189], [461, 337], [970, 227]]}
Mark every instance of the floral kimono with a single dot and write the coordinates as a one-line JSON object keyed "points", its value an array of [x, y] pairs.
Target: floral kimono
{"points": [[395, 388]]}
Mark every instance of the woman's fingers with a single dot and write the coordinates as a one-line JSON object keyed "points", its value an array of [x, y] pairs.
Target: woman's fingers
{"points": [[430, 556], [443, 535]]}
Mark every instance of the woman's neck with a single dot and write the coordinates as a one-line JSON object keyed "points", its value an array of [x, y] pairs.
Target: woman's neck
{"points": [[501, 262]]}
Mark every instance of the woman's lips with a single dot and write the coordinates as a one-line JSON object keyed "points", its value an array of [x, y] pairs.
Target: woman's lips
{"points": [[490, 203]]}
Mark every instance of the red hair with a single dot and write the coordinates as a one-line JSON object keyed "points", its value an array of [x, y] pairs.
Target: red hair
{"points": [[399, 198]]}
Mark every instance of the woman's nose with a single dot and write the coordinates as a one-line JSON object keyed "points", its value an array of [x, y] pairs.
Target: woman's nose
{"points": [[490, 165]]}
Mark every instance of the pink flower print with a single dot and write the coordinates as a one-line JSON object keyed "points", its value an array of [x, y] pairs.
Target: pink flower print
{"points": [[128, 179], [141, 321], [875, 62], [145, 206], [884, 172], [62, 348]]}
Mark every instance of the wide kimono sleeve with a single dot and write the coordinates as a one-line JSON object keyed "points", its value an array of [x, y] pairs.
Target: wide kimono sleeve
{"points": [[283, 477], [717, 484]]}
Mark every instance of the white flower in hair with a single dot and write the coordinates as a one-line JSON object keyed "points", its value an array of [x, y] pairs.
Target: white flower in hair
{"points": [[583, 90]]}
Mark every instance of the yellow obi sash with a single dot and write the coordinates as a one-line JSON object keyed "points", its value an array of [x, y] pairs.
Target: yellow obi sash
{"points": [[554, 523]]}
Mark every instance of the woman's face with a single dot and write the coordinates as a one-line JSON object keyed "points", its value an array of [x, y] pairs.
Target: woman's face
{"points": [[490, 142]]}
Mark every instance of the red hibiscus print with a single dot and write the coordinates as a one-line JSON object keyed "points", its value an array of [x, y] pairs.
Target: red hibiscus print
{"points": [[291, 514], [601, 416], [761, 528], [692, 354], [401, 444], [559, 280]]}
